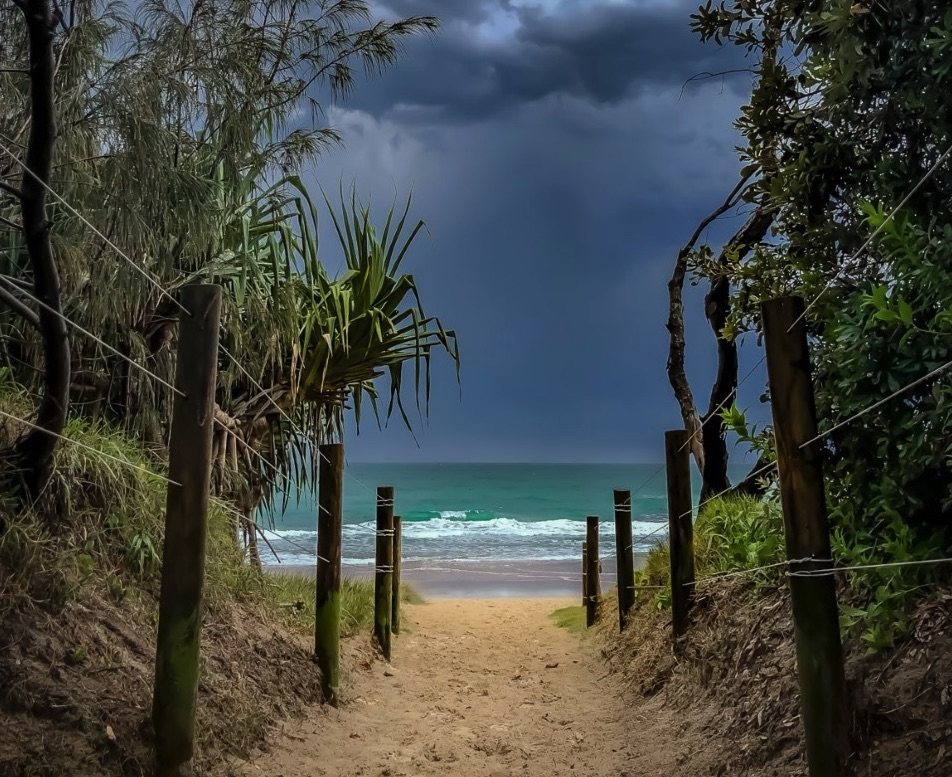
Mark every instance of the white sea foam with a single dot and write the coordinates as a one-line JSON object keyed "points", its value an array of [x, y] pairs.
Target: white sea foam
{"points": [[450, 539], [438, 528]]}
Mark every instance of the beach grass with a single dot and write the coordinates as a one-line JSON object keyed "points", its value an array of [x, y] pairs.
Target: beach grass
{"points": [[731, 534], [295, 594], [570, 618]]}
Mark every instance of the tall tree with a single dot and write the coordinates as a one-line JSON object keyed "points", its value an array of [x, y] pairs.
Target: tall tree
{"points": [[848, 133], [34, 451], [182, 129]]}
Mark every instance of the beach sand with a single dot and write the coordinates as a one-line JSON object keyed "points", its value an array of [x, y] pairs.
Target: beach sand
{"points": [[477, 688], [484, 580]]}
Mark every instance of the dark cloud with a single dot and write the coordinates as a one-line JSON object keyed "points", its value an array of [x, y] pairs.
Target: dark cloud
{"points": [[558, 168], [448, 11], [491, 55]]}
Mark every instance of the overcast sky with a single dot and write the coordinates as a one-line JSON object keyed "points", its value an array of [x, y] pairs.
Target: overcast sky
{"points": [[558, 160]]}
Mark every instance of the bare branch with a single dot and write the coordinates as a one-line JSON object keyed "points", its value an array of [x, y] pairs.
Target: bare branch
{"points": [[706, 75], [732, 199], [19, 307], [25, 285], [677, 375], [11, 190], [11, 224]]}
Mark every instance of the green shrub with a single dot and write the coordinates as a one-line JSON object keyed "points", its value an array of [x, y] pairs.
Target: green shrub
{"points": [[880, 599], [738, 533], [731, 534]]}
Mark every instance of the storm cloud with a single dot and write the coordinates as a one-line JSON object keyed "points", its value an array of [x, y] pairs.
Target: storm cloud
{"points": [[559, 162], [495, 55]]}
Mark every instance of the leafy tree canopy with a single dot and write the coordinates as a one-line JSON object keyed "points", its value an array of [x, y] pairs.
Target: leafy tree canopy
{"points": [[849, 119]]}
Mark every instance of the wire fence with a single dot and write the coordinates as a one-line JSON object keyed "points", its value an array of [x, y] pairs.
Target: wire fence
{"points": [[155, 282], [266, 464], [852, 262]]}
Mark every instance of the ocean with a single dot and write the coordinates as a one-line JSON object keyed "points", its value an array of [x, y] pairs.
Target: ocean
{"points": [[478, 512]]}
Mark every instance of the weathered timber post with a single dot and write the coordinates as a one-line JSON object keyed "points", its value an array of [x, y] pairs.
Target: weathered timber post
{"points": [[383, 578], [327, 599], [186, 523], [591, 570], [397, 563], [584, 573], [680, 528], [625, 560], [807, 535]]}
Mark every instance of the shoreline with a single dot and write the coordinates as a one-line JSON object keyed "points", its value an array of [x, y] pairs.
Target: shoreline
{"points": [[483, 579]]}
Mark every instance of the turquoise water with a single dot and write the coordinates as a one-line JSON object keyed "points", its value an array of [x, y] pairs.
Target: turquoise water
{"points": [[473, 512]]}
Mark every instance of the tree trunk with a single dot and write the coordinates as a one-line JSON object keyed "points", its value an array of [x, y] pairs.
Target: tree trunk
{"points": [[254, 555], [677, 376], [755, 484], [35, 450], [717, 309], [714, 477]]}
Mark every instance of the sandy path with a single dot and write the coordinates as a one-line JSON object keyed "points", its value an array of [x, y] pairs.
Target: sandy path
{"points": [[477, 688]]}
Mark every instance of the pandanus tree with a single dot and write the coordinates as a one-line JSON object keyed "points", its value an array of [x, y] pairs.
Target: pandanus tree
{"points": [[364, 326], [367, 324], [170, 116]]}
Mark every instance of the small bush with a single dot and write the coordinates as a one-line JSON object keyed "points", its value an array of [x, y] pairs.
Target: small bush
{"points": [[738, 533], [731, 534]]}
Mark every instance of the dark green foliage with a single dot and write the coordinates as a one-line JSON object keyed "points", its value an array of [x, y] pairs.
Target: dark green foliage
{"points": [[732, 534], [849, 119]]}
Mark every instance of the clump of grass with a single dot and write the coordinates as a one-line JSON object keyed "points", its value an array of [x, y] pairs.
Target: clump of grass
{"points": [[107, 531], [410, 595], [738, 533], [101, 522], [731, 534], [294, 594], [356, 606], [571, 618]]}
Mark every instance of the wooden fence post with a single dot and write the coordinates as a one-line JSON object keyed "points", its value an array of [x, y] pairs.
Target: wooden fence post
{"points": [[624, 557], [383, 577], [807, 536], [584, 573], [592, 571], [186, 526], [397, 563], [327, 601], [680, 528]]}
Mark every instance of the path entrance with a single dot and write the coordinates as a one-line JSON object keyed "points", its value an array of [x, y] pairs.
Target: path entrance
{"points": [[477, 688]]}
